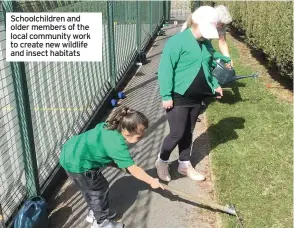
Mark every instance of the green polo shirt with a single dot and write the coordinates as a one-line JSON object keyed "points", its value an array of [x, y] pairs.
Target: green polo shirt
{"points": [[94, 149], [181, 61]]}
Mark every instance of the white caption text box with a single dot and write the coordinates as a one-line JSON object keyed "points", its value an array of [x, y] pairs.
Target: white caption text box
{"points": [[26, 32]]}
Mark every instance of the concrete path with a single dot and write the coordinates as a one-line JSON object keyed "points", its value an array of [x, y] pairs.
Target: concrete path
{"points": [[136, 204]]}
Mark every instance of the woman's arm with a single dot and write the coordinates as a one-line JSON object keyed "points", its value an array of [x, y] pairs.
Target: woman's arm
{"points": [[223, 46], [169, 58], [222, 43], [216, 54], [141, 175]]}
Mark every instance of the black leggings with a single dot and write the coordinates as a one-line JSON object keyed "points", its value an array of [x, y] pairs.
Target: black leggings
{"points": [[182, 121]]}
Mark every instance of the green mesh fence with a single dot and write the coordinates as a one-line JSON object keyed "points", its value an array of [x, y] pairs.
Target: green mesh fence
{"points": [[12, 179], [60, 98], [63, 95], [125, 25]]}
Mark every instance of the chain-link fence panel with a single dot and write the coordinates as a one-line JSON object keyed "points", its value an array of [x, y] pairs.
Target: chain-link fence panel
{"points": [[63, 95], [60, 98], [125, 26], [12, 178]]}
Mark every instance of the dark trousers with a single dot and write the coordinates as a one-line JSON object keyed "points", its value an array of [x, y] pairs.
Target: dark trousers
{"points": [[182, 121], [94, 188]]}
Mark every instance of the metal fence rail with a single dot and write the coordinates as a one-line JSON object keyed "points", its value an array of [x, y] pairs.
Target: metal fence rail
{"points": [[44, 103]]}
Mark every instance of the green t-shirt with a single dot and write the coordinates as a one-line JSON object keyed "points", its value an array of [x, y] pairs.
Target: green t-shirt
{"points": [[94, 149]]}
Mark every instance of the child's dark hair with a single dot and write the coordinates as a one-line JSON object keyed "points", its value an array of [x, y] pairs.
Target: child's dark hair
{"points": [[126, 118]]}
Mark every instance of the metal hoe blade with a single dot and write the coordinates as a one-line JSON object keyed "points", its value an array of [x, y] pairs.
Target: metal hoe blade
{"points": [[239, 220]]}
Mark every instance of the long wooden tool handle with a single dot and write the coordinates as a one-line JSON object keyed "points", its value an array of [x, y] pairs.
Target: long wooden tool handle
{"points": [[200, 201], [197, 200]]}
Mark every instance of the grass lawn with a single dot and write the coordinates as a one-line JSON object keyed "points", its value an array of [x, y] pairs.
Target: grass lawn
{"points": [[251, 150]]}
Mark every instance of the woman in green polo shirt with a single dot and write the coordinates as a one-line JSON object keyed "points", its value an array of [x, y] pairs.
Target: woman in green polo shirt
{"points": [[185, 80], [83, 155]]}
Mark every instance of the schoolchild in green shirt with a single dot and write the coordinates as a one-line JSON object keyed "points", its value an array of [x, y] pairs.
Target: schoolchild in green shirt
{"points": [[185, 80], [84, 155]]}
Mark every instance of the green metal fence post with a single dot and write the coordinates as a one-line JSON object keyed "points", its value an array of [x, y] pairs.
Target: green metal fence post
{"points": [[111, 44], [26, 127], [161, 11], [138, 28], [197, 4], [25, 119], [151, 21], [164, 10], [158, 14], [167, 10]]}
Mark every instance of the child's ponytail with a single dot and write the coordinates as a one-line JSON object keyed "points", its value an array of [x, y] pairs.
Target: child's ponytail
{"points": [[126, 118], [115, 119]]}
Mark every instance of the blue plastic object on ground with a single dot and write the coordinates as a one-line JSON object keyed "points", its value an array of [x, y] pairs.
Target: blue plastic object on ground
{"points": [[121, 95], [33, 214], [113, 102]]}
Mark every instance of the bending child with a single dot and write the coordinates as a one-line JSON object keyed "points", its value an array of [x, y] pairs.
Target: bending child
{"points": [[84, 155]]}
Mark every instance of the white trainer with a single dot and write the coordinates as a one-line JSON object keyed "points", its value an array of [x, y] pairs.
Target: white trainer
{"points": [[162, 170], [190, 172], [90, 217]]}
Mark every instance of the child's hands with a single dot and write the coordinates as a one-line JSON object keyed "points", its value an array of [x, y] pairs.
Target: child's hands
{"points": [[140, 174], [156, 184]]}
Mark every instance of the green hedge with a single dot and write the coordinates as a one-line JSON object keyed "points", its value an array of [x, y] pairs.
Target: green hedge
{"points": [[268, 26]]}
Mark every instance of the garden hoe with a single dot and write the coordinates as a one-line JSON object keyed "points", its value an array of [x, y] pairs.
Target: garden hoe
{"points": [[231, 210]]}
